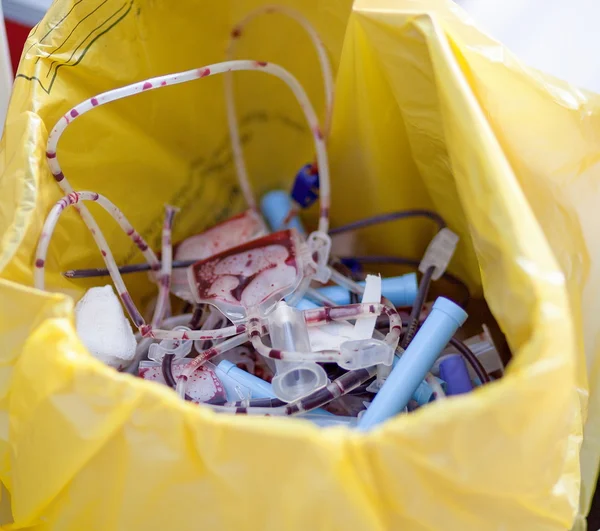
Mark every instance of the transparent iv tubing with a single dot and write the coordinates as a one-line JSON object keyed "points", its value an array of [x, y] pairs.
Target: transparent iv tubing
{"points": [[234, 132], [159, 82], [315, 317], [339, 387], [182, 77], [146, 330], [166, 269], [143, 344]]}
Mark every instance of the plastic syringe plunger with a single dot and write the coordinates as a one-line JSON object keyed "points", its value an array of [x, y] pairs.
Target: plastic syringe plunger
{"points": [[437, 330]]}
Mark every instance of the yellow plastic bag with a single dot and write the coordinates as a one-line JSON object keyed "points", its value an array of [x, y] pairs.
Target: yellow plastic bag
{"points": [[429, 113]]}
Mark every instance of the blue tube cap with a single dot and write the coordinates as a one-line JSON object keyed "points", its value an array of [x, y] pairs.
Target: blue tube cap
{"points": [[453, 370], [276, 206], [451, 309], [401, 291], [306, 186]]}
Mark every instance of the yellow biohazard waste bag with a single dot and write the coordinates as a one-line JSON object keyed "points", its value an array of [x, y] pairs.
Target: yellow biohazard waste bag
{"points": [[430, 113]]}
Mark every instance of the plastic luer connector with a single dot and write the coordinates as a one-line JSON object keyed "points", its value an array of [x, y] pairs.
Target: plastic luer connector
{"points": [[180, 348], [306, 186], [257, 274], [439, 253], [361, 353]]}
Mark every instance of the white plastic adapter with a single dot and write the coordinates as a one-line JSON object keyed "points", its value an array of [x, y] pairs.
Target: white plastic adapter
{"points": [[439, 253]]}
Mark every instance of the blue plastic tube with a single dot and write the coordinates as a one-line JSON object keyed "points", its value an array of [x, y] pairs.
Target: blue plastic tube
{"points": [[401, 291], [429, 342], [258, 387]]}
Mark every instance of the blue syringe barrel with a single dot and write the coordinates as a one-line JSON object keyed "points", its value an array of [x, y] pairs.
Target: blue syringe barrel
{"points": [[275, 207], [429, 342]]}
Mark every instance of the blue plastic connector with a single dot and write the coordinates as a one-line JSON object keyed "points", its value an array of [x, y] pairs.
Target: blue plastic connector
{"points": [[306, 186]]}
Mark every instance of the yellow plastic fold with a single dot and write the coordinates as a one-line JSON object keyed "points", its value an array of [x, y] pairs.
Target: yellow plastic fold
{"points": [[429, 112]]}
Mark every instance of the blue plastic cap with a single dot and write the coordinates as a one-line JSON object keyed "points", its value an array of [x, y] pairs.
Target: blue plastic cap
{"points": [[275, 207], [306, 186], [451, 309], [401, 291], [454, 370]]}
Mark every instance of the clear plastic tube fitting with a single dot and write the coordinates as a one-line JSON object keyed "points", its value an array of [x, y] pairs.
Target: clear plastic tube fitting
{"points": [[288, 331]]}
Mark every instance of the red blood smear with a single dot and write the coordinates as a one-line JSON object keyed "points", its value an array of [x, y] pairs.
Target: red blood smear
{"points": [[142, 372], [203, 284]]}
